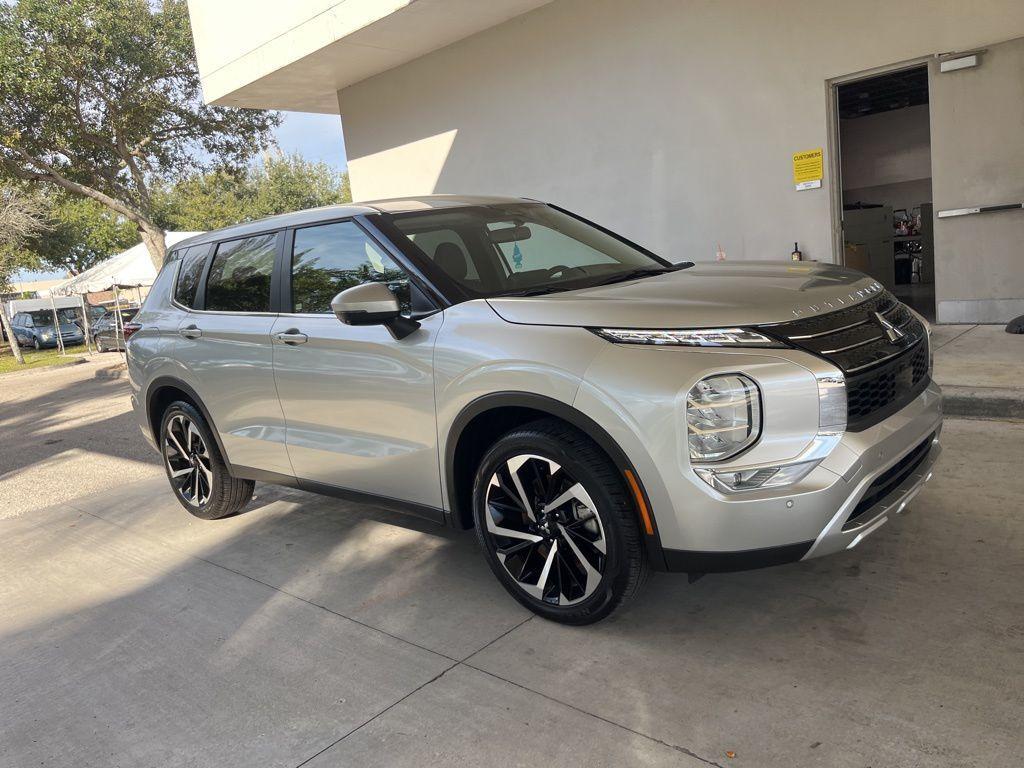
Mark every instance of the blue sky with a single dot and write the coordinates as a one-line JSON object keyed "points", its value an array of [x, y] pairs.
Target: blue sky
{"points": [[315, 137]]}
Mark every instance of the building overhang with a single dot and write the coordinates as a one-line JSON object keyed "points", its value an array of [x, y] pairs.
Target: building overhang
{"points": [[298, 55]]}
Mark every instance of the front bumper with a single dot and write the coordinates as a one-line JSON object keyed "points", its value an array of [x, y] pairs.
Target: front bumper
{"points": [[69, 341], [876, 474]]}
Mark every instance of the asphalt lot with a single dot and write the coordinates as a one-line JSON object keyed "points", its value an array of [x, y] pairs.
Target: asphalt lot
{"points": [[311, 631]]}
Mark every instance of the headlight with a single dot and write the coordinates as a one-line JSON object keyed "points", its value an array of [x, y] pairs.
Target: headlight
{"points": [[723, 416], [831, 425], [697, 337]]}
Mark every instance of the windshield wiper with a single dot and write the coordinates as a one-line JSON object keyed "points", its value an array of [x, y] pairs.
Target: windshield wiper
{"points": [[634, 274], [540, 291]]}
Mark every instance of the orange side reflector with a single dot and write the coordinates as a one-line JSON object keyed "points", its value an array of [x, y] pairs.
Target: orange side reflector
{"points": [[645, 513]]}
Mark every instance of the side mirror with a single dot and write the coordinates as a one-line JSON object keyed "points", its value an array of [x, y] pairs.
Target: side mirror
{"points": [[372, 304]]}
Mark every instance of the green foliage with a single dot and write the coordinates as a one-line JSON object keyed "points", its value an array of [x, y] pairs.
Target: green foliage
{"points": [[102, 98], [279, 185], [82, 233], [202, 202]]}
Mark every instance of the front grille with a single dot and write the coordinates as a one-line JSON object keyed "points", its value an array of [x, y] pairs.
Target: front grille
{"points": [[880, 392], [882, 375], [889, 480]]}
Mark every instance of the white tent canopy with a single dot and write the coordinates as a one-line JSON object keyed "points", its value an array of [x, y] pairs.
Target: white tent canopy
{"points": [[128, 268]]}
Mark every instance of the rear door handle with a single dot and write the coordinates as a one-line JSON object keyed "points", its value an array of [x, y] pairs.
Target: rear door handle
{"points": [[291, 337], [191, 331]]}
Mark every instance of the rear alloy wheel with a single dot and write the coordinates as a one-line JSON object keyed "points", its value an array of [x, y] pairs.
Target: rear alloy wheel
{"points": [[188, 460], [557, 524], [198, 474]]}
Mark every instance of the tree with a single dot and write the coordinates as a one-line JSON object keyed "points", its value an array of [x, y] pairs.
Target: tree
{"points": [[21, 217], [290, 183], [102, 99], [81, 234], [281, 183]]}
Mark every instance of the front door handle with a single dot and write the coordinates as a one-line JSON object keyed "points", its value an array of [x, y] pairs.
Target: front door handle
{"points": [[191, 331], [291, 337]]}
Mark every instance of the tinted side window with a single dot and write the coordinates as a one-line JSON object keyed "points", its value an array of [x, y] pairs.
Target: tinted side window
{"points": [[239, 278], [189, 272], [332, 257]]}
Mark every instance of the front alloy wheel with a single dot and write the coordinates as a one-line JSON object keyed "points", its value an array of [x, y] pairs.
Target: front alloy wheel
{"points": [[548, 536], [556, 523]]}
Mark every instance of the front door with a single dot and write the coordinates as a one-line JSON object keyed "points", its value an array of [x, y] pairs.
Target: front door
{"points": [[359, 404]]}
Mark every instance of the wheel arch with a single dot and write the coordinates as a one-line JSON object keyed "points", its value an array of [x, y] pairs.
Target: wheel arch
{"points": [[165, 390], [485, 419]]}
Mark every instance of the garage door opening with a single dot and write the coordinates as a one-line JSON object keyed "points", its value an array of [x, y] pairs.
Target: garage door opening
{"points": [[885, 167]]}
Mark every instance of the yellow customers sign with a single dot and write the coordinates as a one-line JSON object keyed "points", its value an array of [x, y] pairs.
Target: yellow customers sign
{"points": [[808, 169]]}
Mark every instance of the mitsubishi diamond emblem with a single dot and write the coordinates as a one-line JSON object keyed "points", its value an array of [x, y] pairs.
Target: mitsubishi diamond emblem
{"points": [[895, 335]]}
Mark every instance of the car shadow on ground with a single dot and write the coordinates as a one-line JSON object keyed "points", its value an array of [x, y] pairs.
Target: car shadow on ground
{"points": [[57, 418]]}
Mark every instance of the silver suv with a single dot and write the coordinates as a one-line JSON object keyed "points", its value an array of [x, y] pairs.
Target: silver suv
{"points": [[594, 411]]}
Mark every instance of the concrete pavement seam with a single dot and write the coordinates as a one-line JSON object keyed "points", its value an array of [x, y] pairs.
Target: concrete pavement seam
{"points": [[420, 687], [950, 341], [489, 643], [265, 584], [655, 739], [383, 711]]}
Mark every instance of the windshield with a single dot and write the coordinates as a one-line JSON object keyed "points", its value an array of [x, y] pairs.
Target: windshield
{"points": [[522, 249], [42, 318]]}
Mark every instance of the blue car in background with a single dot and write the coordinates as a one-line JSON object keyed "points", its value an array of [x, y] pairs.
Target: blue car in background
{"points": [[36, 329]]}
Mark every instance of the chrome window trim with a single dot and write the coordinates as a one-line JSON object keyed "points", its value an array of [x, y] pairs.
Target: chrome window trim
{"points": [[228, 312]]}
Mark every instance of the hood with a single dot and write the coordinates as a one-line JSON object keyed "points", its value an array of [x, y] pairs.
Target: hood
{"points": [[66, 329], [708, 295]]}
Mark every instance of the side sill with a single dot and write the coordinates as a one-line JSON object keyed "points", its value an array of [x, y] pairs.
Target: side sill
{"points": [[433, 514], [690, 561]]}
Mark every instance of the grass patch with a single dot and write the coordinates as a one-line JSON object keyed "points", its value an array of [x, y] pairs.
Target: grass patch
{"points": [[34, 359]]}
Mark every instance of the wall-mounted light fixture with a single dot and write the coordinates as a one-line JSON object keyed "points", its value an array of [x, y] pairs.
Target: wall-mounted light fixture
{"points": [[951, 62]]}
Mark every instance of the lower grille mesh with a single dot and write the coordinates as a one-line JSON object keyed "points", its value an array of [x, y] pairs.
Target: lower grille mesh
{"points": [[890, 480]]}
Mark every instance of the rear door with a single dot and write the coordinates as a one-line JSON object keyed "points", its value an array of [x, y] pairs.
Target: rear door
{"points": [[359, 404], [225, 343]]}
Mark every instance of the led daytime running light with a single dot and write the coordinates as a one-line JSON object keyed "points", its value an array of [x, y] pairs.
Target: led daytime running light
{"points": [[696, 337]]}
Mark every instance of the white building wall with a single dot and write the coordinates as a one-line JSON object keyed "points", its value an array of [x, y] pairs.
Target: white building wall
{"points": [[673, 121]]}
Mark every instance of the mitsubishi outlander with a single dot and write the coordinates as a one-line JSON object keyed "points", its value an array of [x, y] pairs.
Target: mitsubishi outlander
{"points": [[593, 410]]}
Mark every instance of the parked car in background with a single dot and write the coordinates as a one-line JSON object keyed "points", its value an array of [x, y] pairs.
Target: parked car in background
{"points": [[36, 329], [107, 332], [592, 409]]}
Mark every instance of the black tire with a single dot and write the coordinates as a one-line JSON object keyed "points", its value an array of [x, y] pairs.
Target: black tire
{"points": [[99, 345], [35, 343], [623, 567], [224, 495]]}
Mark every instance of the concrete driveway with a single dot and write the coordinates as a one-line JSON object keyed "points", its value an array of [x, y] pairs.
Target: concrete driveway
{"points": [[310, 631]]}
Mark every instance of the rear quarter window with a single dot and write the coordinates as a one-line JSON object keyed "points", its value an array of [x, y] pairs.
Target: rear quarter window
{"points": [[191, 269]]}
